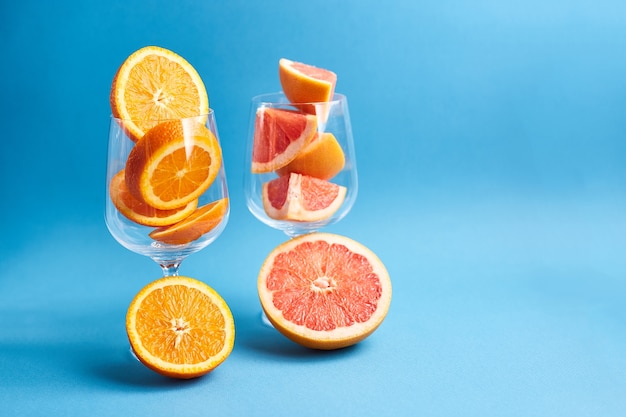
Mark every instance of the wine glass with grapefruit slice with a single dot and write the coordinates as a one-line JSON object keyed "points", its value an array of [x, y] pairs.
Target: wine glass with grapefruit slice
{"points": [[300, 172]]}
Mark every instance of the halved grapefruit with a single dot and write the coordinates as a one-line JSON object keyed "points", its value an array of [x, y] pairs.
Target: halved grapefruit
{"points": [[304, 83], [279, 135], [324, 291], [300, 197]]}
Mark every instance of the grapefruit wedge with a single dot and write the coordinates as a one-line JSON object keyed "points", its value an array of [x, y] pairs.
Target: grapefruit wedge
{"points": [[279, 136], [300, 197], [304, 83], [324, 291], [321, 158]]}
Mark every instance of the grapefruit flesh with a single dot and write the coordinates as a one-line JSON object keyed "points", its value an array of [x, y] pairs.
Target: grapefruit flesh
{"points": [[324, 291], [300, 197], [279, 136]]}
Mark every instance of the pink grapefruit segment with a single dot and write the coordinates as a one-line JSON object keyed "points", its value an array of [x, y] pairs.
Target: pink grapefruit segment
{"points": [[324, 291], [279, 136], [300, 197]]}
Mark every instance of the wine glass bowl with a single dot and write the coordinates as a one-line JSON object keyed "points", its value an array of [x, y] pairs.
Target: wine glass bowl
{"points": [[136, 235], [332, 118]]}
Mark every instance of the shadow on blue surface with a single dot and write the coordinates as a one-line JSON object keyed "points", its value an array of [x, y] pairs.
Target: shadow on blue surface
{"points": [[130, 372], [260, 339]]}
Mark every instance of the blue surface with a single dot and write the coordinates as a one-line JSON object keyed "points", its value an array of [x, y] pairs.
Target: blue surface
{"points": [[490, 138]]}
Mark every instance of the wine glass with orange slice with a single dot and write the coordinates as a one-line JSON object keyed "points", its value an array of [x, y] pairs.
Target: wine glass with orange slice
{"points": [[167, 195]]}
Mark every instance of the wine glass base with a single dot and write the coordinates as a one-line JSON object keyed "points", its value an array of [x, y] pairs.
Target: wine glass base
{"points": [[132, 354], [266, 322]]}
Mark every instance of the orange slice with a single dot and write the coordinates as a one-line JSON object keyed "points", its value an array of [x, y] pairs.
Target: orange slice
{"points": [[180, 327], [324, 291], [174, 163], [140, 212], [322, 158], [301, 198], [304, 83], [155, 84], [202, 221], [279, 135]]}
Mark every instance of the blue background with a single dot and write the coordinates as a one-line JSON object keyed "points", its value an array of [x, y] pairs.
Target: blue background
{"points": [[492, 167]]}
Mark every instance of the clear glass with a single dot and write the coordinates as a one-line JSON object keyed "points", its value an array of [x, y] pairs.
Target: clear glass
{"points": [[134, 236], [332, 117]]}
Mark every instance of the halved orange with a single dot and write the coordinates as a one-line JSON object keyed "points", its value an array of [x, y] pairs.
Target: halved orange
{"points": [[279, 135], [173, 163], [200, 222], [139, 211], [180, 327], [301, 198], [324, 291], [322, 158], [304, 83], [155, 84]]}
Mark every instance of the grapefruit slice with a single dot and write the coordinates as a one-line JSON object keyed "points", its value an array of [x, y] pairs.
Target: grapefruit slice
{"points": [[299, 197], [324, 291], [304, 83], [279, 135], [322, 158]]}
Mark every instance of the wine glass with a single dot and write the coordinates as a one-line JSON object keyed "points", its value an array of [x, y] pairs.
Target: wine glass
{"points": [[332, 118], [135, 229], [323, 165]]}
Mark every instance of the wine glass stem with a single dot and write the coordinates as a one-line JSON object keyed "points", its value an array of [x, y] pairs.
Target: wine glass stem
{"points": [[170, 269]]}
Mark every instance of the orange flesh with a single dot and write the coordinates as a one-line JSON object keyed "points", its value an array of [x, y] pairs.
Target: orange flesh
{"points": [[140, 211], [174, 331], [152, 77], [193, 170], [324, 286], [200, 222]]}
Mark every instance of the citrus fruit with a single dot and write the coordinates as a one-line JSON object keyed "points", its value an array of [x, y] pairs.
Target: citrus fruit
{"points": [[180, 327], [321, 158], [324, 291], [301, 198], [173, 164], [279, 135], [303, 83], [141, 212], [155, 84], [200, 222]]}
